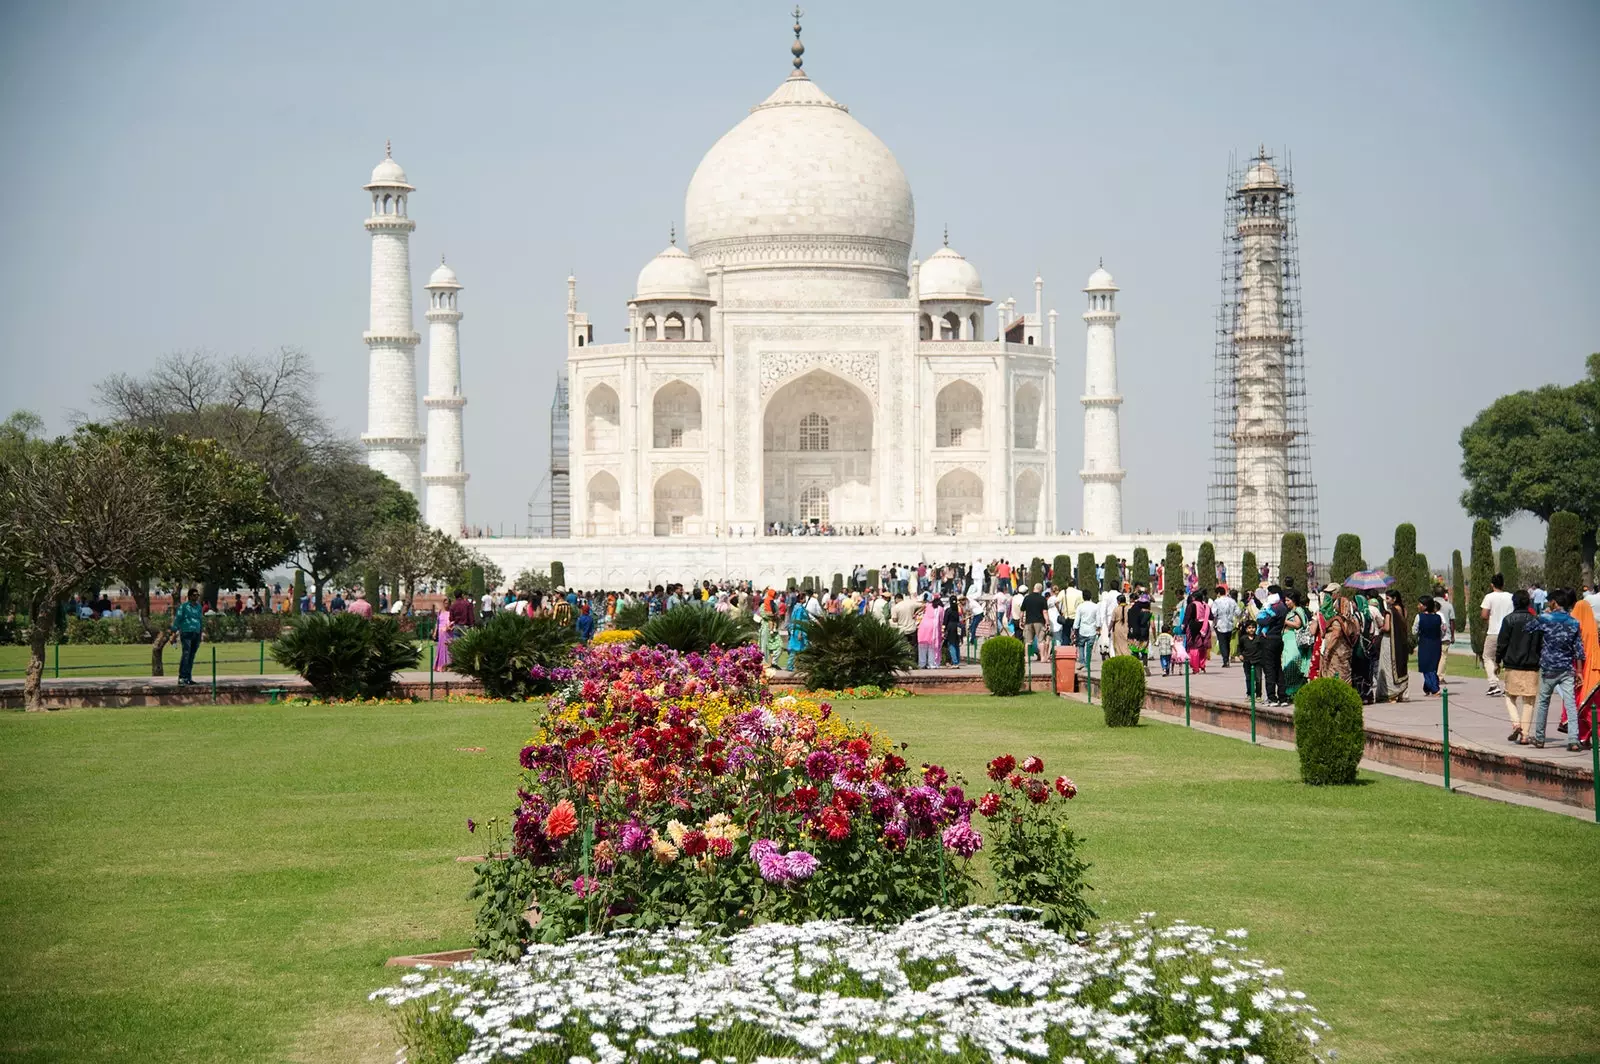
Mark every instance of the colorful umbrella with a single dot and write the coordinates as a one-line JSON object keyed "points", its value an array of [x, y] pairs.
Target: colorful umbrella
{"points": [[1369, 580]]}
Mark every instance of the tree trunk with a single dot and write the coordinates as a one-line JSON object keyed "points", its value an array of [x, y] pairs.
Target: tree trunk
{"points": [[43, 621]]}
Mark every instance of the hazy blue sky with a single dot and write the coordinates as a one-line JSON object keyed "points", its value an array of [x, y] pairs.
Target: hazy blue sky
{"points": [[187, 176]]}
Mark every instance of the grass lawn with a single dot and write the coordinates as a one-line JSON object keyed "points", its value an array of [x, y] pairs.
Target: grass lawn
{"points": [[233, 659], [224, 883]]}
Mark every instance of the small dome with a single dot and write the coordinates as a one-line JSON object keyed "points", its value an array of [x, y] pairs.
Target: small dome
{"points": [[1100, 281], [443, 277], [672, 275], [946, 275], [1262, 174], [388, 174]]}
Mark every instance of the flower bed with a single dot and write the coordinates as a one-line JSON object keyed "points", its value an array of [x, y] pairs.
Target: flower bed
{"points": [[976, 985], [864, 693]]}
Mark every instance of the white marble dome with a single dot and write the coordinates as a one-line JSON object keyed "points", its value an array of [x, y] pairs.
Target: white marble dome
{"points": [[443, 277], [949, 276], [388, 173], [800, 183], [1100, 281], [672, 275], [1262, 175]]}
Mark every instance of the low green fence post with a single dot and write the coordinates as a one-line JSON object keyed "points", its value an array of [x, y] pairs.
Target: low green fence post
{"points": [[1186, 690], [263, 657], [58, 659], [1250, 683], [1444, 705], [1594, 754], [430, 675], [213, 673], [1088, 664]]}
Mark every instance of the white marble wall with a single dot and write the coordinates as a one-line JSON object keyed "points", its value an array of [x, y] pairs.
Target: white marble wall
{"points": [[446, 476]]}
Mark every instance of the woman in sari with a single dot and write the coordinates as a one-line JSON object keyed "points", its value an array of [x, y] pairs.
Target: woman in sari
{"points": [[1119, 627], [1327, 610], [1338, 641], [1296, 658], [443, 633], [1197, 631], [1588, 686], [1395, 656], [1139, 631]]}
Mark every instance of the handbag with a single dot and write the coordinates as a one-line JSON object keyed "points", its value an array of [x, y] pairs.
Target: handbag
{"points": [[1304, 636]]}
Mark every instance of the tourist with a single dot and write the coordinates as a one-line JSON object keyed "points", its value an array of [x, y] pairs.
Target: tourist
{"points": [[952, 630], [1250, 658], [1087, 624], [1560, 656], [1540, 598], [486, 605], [1364, 654], [1494, 609], [1517, 652], [1224, 618], [903, 615], [1165, 645], [930, 633], [461, 611], [1299, 641], [1269, 628], [361, 607], [1395, 655], [1119, 627], [444, 633], [1197, 630], [189, 621], [1447, 615], [1340, 634], [1139, 629], [1035, 628], [1428, 631], [1588, 685]]}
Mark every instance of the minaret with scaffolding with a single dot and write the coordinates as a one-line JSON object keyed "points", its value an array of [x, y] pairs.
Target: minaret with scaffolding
{"points": [[1261, 483]]}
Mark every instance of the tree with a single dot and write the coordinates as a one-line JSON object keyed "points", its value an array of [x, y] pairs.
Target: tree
{"points": [[1346, 557], [342, 502], [1036, 572], [1206, 567], [1292, 561], [1249, 572], [1087, 582], [1458, 588], [1563, 551], [1113, 570], [1061, 572], [370, 581], [412, 552], [1509, 569], [1538, 452], [298, 591], [531, 580], [558, 574], [1409, 568], [1481, 560], [1172, 582], [1141, 566], [74, 511]]}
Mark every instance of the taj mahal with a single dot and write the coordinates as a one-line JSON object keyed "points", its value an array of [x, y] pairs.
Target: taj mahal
{"points": [[793, 392]]}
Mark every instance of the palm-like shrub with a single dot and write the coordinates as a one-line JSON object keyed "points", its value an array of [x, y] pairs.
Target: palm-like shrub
{"points": [[852, 650], [512, 655], [696, 629], [1329, 732], [1122, 691], [342, 655], [632, 616], [1002, 657]]}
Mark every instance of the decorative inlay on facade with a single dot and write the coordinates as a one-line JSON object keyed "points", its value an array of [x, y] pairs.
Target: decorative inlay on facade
{"points": [[978, 467], [941, 380], [859, 367], [694, 469], [801, 249], [694, 380]]}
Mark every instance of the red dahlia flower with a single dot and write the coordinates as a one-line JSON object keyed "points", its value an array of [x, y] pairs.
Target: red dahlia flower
{"points": [[695, 843], [1001, 766], [1033, 764], [1066, 788], [835, 823], [989, 804], [562, 821], [1038, 792]]}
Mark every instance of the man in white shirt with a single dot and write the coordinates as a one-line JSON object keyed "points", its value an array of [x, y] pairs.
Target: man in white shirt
{"points": [[1224, 617], [1088, 621], [1496, 607]]}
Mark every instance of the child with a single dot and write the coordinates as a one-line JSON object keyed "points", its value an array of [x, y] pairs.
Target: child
{"points": [[1250, 658], [1164, 647]]}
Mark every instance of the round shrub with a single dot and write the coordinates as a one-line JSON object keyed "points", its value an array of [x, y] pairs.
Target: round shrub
{"points": [[1329, 733], [1002, 657], [691, 628], [514, 656], [342, 655], [1122, 691]]}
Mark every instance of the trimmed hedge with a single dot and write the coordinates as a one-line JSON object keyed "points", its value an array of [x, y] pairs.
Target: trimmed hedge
{"points": [[1329, 732], [558, 574], [1346, 557], [1141, 566], [1292, 561], [1061, 572], [1002, 657], [1088, 583], [1563, 551], [1249, 572], [1113, 578], [1510, 569], [1458, 590], [1481, 561], [872, 580], [299, 591], [1122, 691], [1172, 575]]}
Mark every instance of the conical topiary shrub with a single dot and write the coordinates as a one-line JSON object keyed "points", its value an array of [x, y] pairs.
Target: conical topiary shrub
{"points": [[1329, 731], [1122, 691], [1002, 657]]}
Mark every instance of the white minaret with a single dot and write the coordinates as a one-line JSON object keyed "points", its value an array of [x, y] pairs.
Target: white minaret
{"points": [[447, 475], [1261, 433], [393, 445], [1102, 433]]}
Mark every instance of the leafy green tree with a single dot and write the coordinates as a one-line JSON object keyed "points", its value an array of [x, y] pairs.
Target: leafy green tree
{"points": [[1249, 572], [1458, 587], [531, 580], [1141, 566], [1509, 569], [1172, 573], [558, 574], [1346, 557], [1563, 551], [1061, 572], [1481, 560], [1292, 560], [1113, 570], [1409, 568], [1206, 567], [1087, 581], [413, 553], [1538, 452]]}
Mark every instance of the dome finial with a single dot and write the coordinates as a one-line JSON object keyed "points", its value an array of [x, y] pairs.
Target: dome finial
{"points": [[673, 234], [388, 152], [797, 48], [1263, 153], [1102, 262], [946, 234], [441, 258]]}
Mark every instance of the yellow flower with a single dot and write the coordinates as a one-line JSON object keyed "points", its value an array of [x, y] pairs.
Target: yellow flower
{"points": [[663, 851], [676, 831], [721, 826]]}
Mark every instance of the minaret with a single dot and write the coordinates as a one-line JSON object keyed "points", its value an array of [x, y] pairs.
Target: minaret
{"points": [[1102, 433], [446, 476], [1261, 434], [393, 444]]}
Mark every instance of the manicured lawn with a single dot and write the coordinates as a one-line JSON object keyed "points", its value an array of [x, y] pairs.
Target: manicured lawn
{"points": [[224, 883], [233, 659]]}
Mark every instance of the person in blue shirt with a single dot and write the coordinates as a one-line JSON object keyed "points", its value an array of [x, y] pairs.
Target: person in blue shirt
{"points": [[1560, 657], [1269, 633], [585, 623], [188, 622]]}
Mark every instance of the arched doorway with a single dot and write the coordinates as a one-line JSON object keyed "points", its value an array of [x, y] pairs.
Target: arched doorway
{"points": [[1029, 489], [678, 504], [675, 416], [605, 504], [1025, 417], [958, 416], [959, 502], [817, 456], [601, 420]]}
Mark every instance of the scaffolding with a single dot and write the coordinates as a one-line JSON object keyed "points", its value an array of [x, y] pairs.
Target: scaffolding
{"points": [[1304, 515], [560, 462]]}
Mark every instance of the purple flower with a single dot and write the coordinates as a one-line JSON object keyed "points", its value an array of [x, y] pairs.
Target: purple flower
{"points": [[820, 764], [801, 864], [894, 835], [771, 863], [959, 838], [921, 801], [633, 838], [583, 886], [471, 825]]}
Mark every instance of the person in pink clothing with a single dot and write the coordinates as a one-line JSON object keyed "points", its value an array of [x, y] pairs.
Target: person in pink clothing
{"points": [[444, 632], [930, 634], [1197, 631], [361, 607]]}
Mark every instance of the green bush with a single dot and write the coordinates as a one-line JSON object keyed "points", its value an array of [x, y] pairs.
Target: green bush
{"points": [[370, 581], [1346, 557], [852, 650], [1122, 691], [694, 629], [1458, 589], [1061, 572], [1292, 561], [299, 591], [1481, 561], [1002, 657], [1205, 567], [475, 586], [1329, 734], [807, 586], [633, 616], [872, 579], [1563, 551], [344, 656], [1249, 572], [1172, 568], [1088, 583], [1036, 572], [558, 574], [792, 584], [1408, 569], [1113, 577], [512, 655], [838, 583], [1140, 566], [1510, 569], [1033, 854]]}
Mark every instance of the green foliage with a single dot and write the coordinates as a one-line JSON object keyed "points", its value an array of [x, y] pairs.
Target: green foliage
{"points": [[1563, 551], [1346, 557], [128, 631], [1458, 587], [852, 649], [1122, 691], [502, 889], [807, 586], [1510, 569], [299, 591], [1409, 569], [342, 655], [1249, 571], [1482, 562], [1141, 566], [872, 580], [1002, 658], [838, 583], [633, 616], [1292, 560], [1061, 572], [1036, 572], [1172, 568], [511, 654], [1205, 567], [531, 580], [1329, 734], [370, 581], [558, 574], [791, 584], [475, 583], [1088, 583], [691, 628], [1113, 571], [1033, 855]]}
